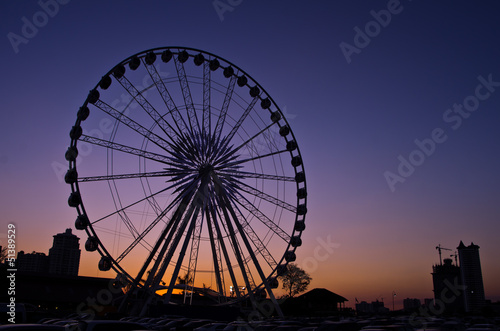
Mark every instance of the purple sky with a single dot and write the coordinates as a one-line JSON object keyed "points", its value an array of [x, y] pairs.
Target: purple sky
{"points": [[431, 72]]}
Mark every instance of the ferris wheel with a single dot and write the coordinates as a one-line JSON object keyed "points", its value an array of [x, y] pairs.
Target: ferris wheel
{"points": [[187, 177]]}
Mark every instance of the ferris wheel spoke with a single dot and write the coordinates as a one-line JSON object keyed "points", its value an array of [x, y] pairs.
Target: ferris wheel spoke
{"points": [[216, 255], [227, 211], [182, 201], [248, 246], [182, 184], [242, 263], [206, 119], [193, 256], [122, 215], [269, 198], [122, 118], [147, 107], [254, 238], [262, 131], [191, 216], [182, 253], [164, 241], [146, 188], [225, 105], [224, 154], [125, 149], [128, 206], [127, 176], [129, 224], [186, 93], [256, 158], [188, 190], [144, 233], [216, 216], [186, 151], [263, 218], [245, 175], [167, 98], [238, 124]]}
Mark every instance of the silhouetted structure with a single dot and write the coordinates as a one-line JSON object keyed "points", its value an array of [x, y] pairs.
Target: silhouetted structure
{"points": [[472, 278], [64, 256], [459, 288], [63, 294], [32, 262], [411, 304], [316, 302], [428, 302], [373, 307], [446, 297]]}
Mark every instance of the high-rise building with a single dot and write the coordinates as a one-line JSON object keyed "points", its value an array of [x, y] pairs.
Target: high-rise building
{"points": [[64, 256], [447, 295], [472, 278]]}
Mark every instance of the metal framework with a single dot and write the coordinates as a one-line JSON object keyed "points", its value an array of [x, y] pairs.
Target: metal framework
{"points": [[193, 189]]}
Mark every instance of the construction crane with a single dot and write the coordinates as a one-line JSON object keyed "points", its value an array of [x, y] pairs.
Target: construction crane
{"points": [[439, 248], [455, 255]]}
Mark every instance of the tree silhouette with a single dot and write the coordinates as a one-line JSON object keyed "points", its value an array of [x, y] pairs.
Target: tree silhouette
{"points": [[185, 280], [3, 254], [295, 280]]}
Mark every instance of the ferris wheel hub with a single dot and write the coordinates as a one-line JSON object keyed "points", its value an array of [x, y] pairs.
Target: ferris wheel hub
{"points": [[206, 169]]}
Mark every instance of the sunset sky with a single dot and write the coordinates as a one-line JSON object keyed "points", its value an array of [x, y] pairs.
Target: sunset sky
{"points": [[395, 106]]}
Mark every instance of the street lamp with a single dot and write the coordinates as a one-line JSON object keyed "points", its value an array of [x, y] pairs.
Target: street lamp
{"points": [[393, 296]]}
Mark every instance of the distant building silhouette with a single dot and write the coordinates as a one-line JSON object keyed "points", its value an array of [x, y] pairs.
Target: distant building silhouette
{"points": [[64, 256], [428, 302], [373, 307], [444, 276], [472, 278], [411, 304], [363, 307], [32, 262]]}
